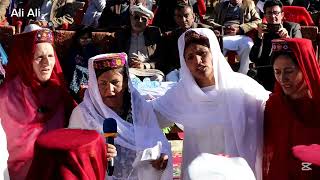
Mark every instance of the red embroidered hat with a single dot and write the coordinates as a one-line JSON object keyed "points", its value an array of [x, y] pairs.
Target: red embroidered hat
{"points": [[111, 61], [44, 35], [280, 45]]}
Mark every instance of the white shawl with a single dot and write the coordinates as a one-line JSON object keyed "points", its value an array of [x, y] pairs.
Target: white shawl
{"points": [[237, 102], [142, 134], [4, 174]]}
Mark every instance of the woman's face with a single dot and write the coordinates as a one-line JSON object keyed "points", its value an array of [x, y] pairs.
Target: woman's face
{"points": [[44, 61], [112, 87], [289, 76], [199, 61], [85, 40]]}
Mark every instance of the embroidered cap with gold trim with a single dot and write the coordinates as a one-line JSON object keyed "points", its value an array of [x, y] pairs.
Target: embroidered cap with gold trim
{"points": [[111, 61], [44, 35]]}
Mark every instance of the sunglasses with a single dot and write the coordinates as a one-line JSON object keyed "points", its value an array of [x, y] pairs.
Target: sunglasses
{"points": [[138, 18]]}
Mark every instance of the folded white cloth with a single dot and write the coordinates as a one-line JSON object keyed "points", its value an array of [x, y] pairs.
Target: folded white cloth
{"points": [[212, 167]]}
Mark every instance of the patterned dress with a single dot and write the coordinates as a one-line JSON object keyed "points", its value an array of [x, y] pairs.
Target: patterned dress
{"points": [[124, 160]]}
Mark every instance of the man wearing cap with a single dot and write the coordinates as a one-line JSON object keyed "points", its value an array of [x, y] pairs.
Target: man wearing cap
{"points": [[141, 42]]}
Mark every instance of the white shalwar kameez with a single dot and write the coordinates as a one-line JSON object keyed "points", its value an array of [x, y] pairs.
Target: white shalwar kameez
{"points": [[224, 119]]}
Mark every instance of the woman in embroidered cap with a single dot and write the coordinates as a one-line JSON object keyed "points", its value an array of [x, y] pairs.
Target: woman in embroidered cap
{"points": [[111, 95], [33, 98], [292, 112], [221, 110]]}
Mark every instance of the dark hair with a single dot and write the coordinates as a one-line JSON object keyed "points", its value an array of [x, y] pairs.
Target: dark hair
{"points": [[80, 33], [191, 37], [126, 95], [181, 6], [121, 70], [288, 54], [271, 3]]}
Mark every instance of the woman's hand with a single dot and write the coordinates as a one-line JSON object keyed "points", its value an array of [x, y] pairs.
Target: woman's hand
{"points": [[161, 162], [111, 151]]}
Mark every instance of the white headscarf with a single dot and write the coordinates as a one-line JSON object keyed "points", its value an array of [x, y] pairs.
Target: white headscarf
{"points": [[4, 174], [237, 102], [31, 27], [142, 134]]}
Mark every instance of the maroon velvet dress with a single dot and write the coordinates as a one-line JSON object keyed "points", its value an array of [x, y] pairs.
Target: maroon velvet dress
{"points": [[29, 108], [291, 122]]}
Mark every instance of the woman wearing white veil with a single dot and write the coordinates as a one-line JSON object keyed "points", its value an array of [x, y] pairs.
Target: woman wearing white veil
{"points": [[111, 95], [221, 111]]}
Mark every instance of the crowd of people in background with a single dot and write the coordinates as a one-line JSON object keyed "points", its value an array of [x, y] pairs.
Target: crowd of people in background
{"points": [[265, 111]]}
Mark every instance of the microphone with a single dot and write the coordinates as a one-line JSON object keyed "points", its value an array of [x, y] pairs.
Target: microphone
{"points": [[110, 132]]}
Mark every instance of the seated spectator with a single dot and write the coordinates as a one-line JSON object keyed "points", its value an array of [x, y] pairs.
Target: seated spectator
{"points": [[185, 19], [115, 15], [4, 155], [274, 29], [142, 44], [54, 13], [164, 18], [33, 98], [292, 111], [93, 13], [238, 17], [76, 69], [4, 4], [110, 95]]}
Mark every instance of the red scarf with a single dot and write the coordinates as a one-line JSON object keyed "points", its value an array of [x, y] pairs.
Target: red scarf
{"points": [[29, 108], [293, 122]]}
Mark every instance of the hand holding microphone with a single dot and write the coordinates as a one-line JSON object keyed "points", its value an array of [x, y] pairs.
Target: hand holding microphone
{"points": [[110, 132], [111, 151]]}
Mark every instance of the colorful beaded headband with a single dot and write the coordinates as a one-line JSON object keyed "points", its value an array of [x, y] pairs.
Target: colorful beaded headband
{"points": [[44, 35], [280, 45], [112, 61]]}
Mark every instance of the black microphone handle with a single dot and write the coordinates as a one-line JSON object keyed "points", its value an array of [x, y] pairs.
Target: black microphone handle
{"points": [[110, 170]]}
